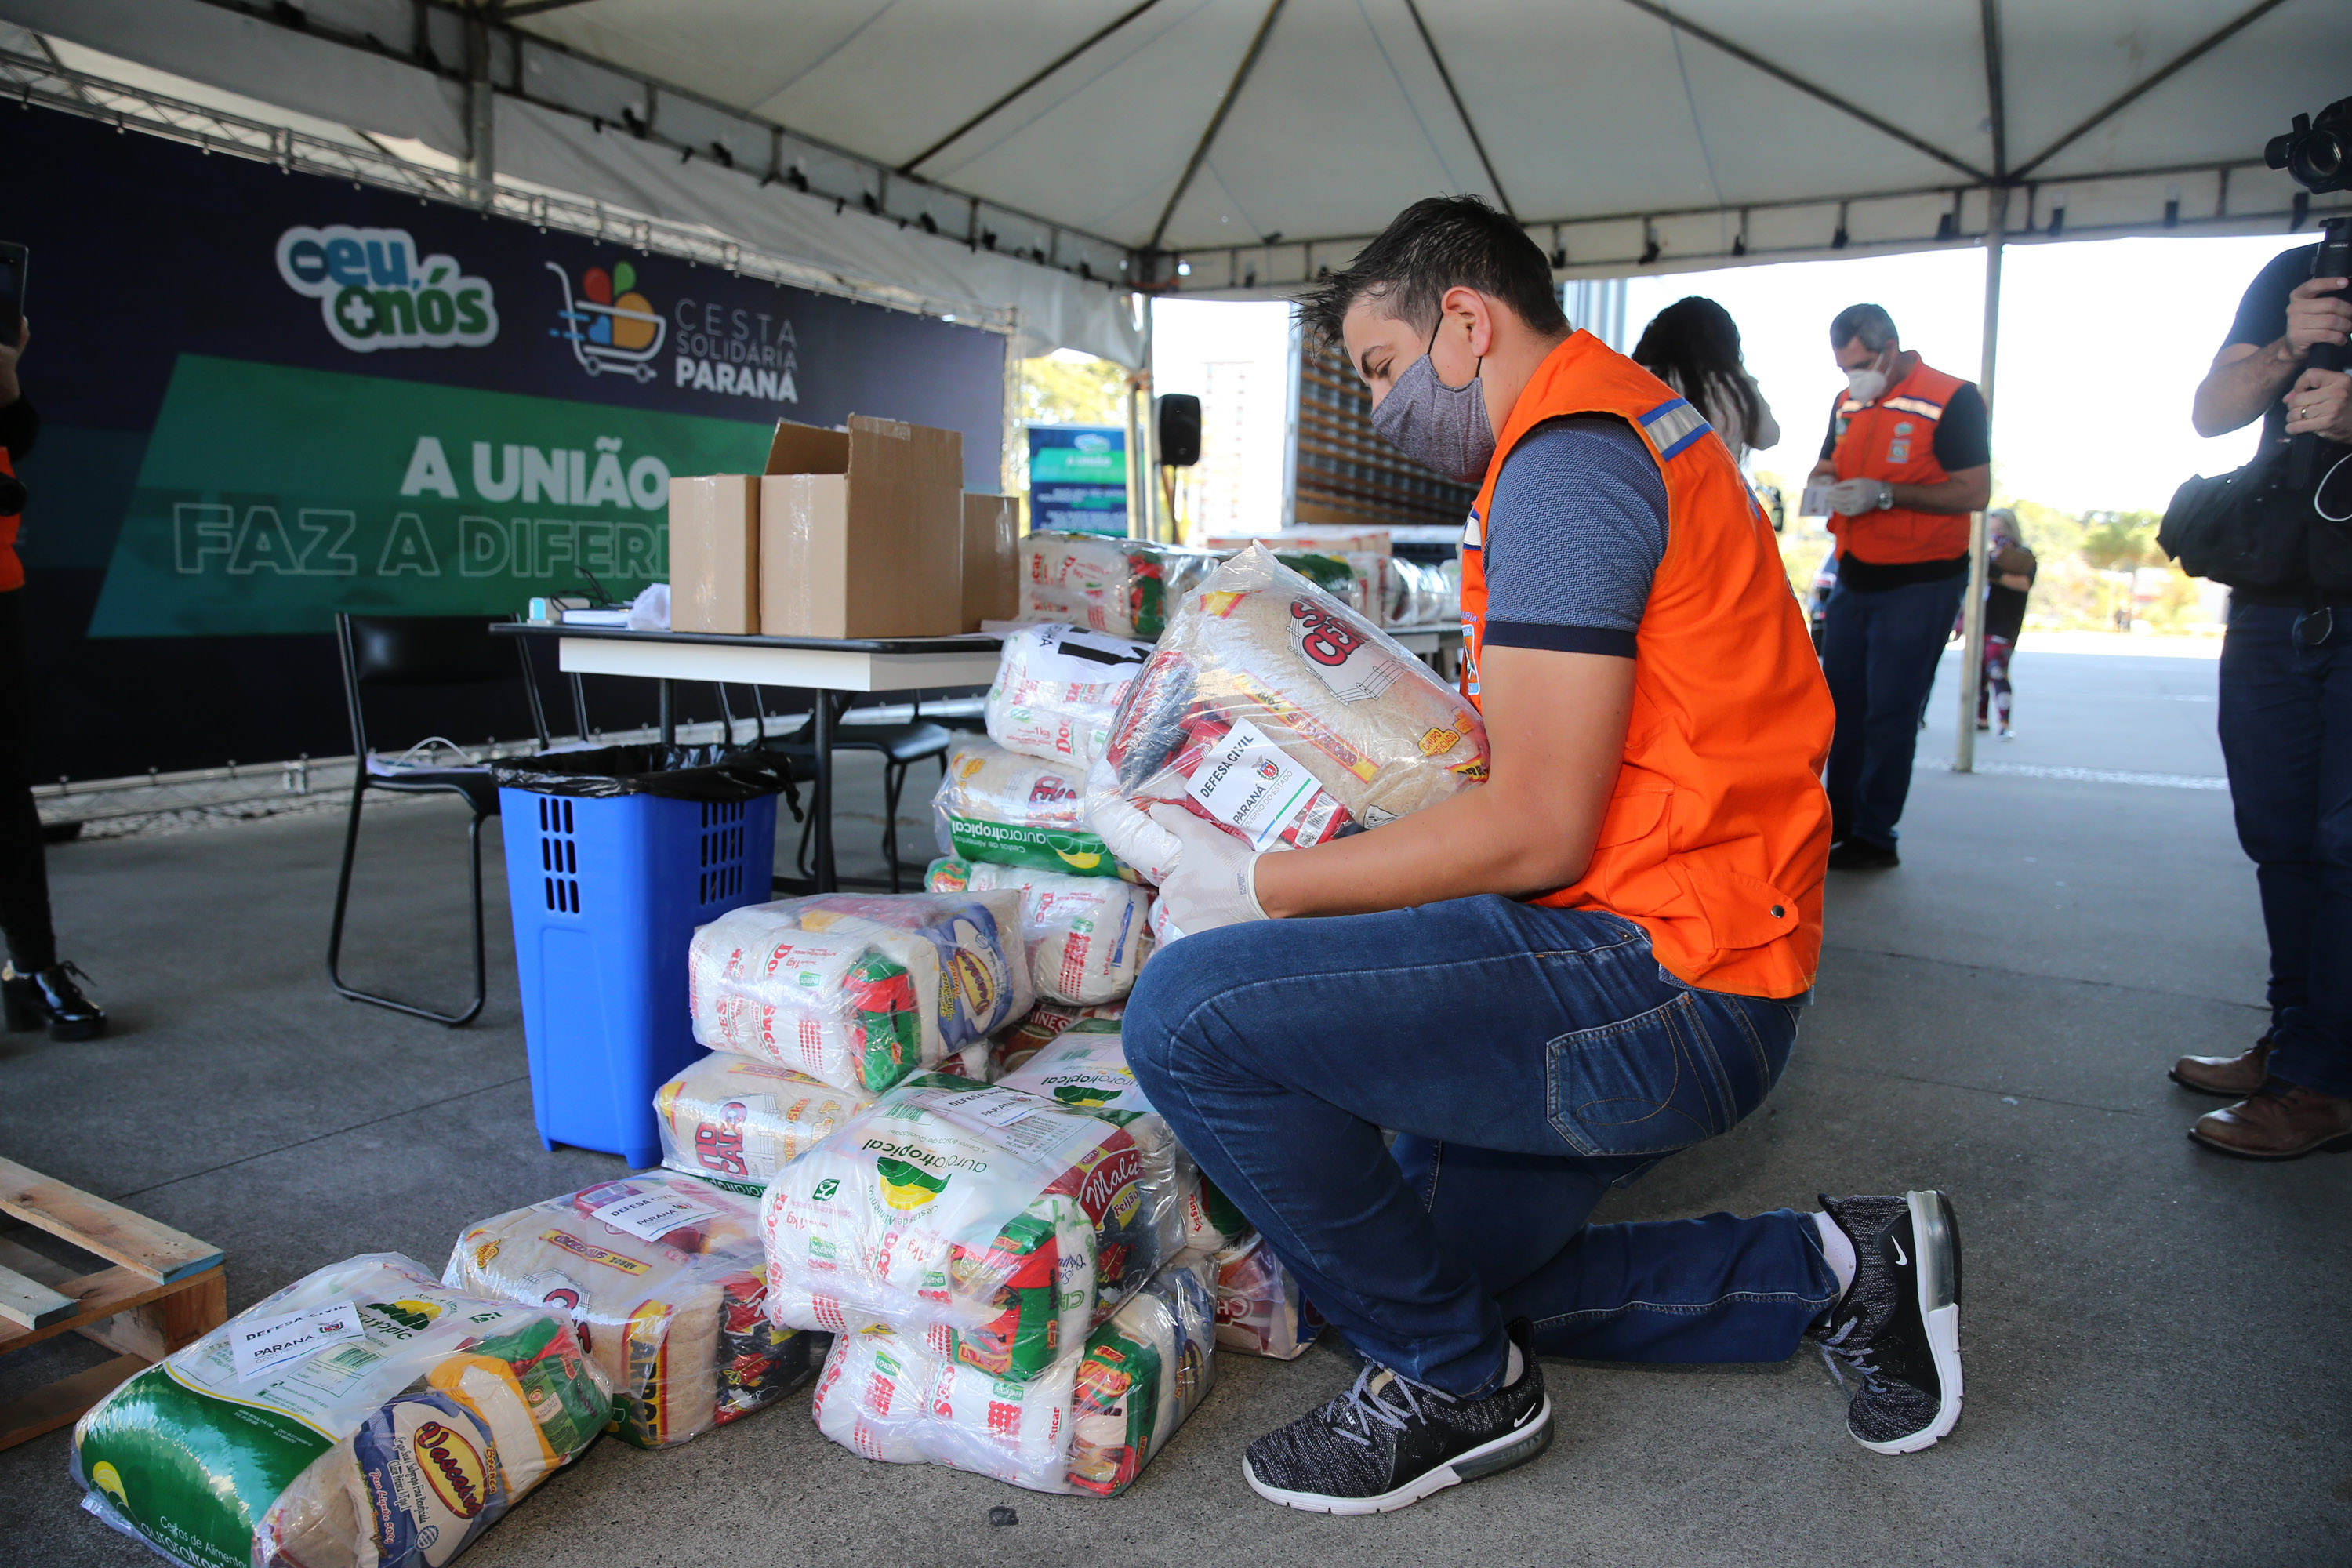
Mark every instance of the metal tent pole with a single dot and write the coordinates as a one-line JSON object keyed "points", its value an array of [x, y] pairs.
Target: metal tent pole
{"points": [[1964, 757], [1148, 454]]}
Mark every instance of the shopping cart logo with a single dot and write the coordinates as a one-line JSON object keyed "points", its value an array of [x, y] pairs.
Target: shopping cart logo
{"points": [[375, 292], [613, 329]]}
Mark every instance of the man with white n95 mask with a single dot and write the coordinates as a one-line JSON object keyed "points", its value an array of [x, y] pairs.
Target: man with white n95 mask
{"points": [[1547, 984], [1908, 449]]}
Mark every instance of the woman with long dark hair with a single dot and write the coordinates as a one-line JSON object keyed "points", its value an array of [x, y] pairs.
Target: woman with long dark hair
{"points": [[1692, 345]]}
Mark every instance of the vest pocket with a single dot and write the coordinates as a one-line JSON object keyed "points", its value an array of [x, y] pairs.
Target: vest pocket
{"points": [[1648, 1085]]}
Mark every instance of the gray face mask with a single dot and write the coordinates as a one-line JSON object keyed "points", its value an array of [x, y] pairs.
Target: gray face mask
{"points": [[1442, 427]]}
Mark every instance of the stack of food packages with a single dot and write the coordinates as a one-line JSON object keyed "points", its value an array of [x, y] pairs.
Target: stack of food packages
{"points": [[664, 1281], [365, 1416], [1011, 819], [818, 1005], [1117, 586]]}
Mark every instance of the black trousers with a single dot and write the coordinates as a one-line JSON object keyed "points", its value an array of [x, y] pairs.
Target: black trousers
{"points": [[23, 866]]}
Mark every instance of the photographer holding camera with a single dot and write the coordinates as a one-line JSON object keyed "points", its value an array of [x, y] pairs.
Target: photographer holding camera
{"points": [[36, 990], [2275, 533]]}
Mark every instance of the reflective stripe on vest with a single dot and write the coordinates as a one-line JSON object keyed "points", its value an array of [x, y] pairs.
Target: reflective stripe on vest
{"points": [[1717, 835]]}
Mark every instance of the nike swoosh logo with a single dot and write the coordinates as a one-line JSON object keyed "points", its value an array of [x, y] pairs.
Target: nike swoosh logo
{"points": [[1524, 1417], [1900, 1261]]}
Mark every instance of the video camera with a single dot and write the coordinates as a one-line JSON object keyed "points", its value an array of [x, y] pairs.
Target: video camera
{"points": [[2313, 155]]}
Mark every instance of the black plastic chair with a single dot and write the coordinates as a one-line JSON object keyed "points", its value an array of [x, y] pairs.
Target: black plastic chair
{"points": [[422, 651], [901, 746]]}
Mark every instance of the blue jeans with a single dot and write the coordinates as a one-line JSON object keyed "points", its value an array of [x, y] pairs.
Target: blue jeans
{"points": [[1878, 653], [2286, 740], [1528, 1057]]}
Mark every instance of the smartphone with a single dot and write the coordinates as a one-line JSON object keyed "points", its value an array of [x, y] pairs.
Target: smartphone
{"points": [[12, 291]]}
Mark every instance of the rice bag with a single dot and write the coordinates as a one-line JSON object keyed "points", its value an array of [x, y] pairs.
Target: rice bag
{"points": [[1085, 935], [1275, 712], [1016, 811], [665, 1283], [1088, 1423], [1056, 690], [996, 1225], [1212, 1223], [735, 1122], [858, 990], [1260, 1310], [365, 1416], [1118, 586], [1040, 1028]]}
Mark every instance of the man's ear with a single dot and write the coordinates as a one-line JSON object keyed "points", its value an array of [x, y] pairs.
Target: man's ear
{"points": [[1462, 304]]}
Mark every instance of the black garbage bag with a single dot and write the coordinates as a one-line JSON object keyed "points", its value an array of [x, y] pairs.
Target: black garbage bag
{"points": [[714, 772]]}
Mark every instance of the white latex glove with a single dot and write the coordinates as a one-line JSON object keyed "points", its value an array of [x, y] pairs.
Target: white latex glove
{"points": [[1852, 497], [1134, 837], [1212, 883]]}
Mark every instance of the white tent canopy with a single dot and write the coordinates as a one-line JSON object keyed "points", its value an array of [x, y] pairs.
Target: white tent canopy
{"points": [[1033, 160]]}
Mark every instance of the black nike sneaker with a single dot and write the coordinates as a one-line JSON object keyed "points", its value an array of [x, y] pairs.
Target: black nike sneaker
{"points": [[1898, 1324], [1389, 1441]]}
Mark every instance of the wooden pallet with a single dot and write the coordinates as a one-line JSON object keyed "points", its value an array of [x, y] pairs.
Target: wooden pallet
{"points": [[165, 1290]]}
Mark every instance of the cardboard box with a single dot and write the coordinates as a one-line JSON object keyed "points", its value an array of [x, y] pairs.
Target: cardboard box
{"points": [[861, 532], [991, 558], [714, 554]]}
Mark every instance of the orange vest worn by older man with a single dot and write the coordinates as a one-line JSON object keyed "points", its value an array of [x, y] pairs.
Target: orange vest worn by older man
{"points": [[1718, 835], [1893, 439]]}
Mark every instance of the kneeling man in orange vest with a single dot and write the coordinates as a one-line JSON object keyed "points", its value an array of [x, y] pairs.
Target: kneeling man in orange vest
{"points": [[1546, 984]]}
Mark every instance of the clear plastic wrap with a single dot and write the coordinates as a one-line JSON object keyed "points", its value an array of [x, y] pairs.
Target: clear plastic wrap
{"points": [[1086, 1069], [1417, 595], [1118, 586], [1279, 713], [1056, 690], [1010, 810], [1260, 1310], [859, 989], [736, 1122], [1040, 1028], [365, 1416], [664, 1281], [997, 1224], [1086, 935], [1212, 1223], [1088, 1423]]}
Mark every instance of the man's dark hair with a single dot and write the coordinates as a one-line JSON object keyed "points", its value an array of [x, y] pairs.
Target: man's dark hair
{"points": [[1435, 245], [1870, 324]]}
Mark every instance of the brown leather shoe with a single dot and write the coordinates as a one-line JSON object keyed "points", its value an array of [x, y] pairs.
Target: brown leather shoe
{"points": [[2236, 1077], [2283, 1125]]}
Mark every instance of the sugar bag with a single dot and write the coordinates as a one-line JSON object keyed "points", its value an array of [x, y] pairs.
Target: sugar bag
{"points": [[736, 1122], [1012, 810]]}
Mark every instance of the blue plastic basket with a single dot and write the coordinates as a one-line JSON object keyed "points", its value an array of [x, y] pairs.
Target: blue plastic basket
{"points": [[606, 894]]}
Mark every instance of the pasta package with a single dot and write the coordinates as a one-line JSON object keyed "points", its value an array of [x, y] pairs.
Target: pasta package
{"points": [[365, 1416], [1086, 935], [735, 1122], [1279, 713], [1056, 690], [1122, 586], [856, 990], [1260, 1310], [1040, 1028], [665, 1284], [1089, 1423], [996, 1225], [1009, 810]]}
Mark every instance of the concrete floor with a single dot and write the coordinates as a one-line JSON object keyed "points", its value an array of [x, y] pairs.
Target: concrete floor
{"points": [[2157, 1341]]}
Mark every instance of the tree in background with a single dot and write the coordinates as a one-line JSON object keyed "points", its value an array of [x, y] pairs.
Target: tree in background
{"points": [[1065, 388]]}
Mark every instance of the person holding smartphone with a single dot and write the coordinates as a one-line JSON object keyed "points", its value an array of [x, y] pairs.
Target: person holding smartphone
{"points": [[37, 991]]}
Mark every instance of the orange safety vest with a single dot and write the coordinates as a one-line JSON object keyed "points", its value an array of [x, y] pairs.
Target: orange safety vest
{"points": [[12, 571], [1717, 835], [1894, 439]]}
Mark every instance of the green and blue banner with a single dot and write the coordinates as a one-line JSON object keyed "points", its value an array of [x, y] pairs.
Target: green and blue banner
{"points": [[1078, 478], [265, 397]]}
